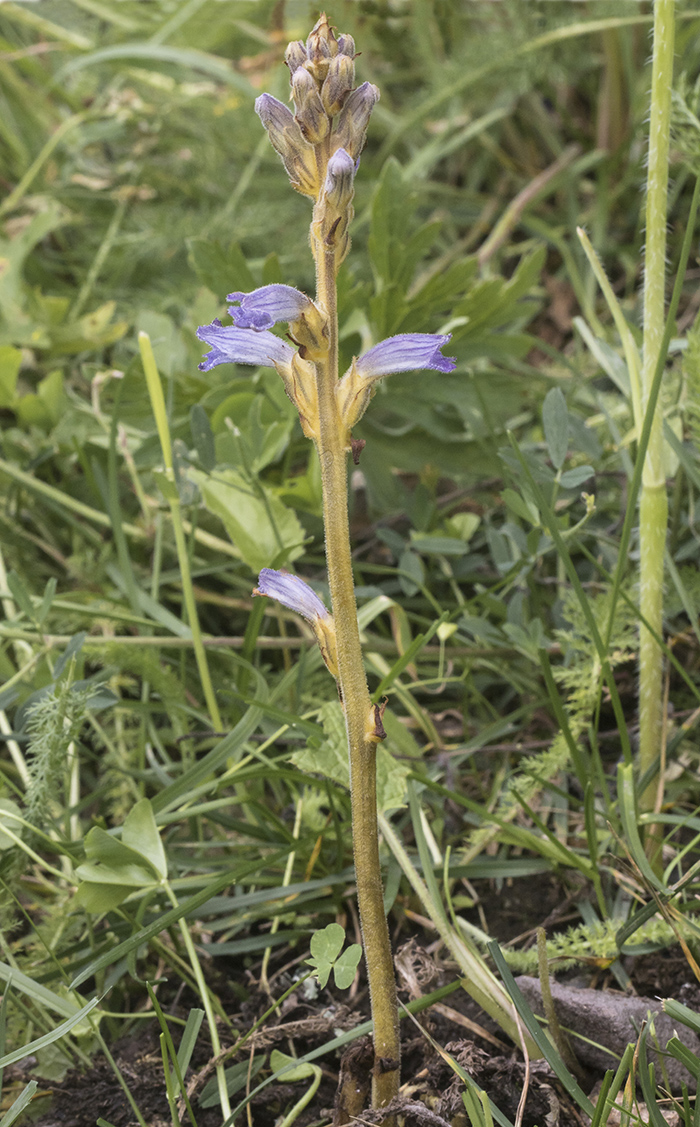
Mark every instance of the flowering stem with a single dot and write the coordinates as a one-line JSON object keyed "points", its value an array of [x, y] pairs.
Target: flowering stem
{"points": [[653, 514], [358, 706]]}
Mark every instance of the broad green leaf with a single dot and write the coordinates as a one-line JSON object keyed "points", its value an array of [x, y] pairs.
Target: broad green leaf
{"points": [[264, 531], [345, 966], [141, 834], [327, 943], [555, 420], [128, 876], [104, 848], [330, 758]]}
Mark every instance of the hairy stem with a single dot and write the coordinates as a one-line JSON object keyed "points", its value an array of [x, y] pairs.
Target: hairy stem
{"points": [[358, 707], [653, 502]]}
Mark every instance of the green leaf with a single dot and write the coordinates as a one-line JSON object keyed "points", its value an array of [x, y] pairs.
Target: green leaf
{"points": [[330, 758], [264, 531], [141, 834], [97, 897], [327, 943], [102, 848], [345, 966], [555, 420], [302, 1071], [573, 478], [411, 572]]}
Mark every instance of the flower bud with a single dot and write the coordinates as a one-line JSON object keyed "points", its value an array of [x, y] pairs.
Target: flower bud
{"points": [[338, 84], [321, 47], [310, 115], [346, 45], [333, 211], [286, 137], [350, 129], [339, 186], [295, 55]]}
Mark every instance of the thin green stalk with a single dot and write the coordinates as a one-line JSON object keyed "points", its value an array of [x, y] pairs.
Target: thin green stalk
{"points": [[653, 514], [358, 707], [155, 391]]}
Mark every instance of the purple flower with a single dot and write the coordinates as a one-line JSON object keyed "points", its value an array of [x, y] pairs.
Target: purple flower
{"points": [[233, 345], [264, 307], [292, 592], [406, 352]]}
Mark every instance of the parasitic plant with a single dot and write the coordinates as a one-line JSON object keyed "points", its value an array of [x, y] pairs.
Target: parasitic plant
{"points": [[320, 146]]}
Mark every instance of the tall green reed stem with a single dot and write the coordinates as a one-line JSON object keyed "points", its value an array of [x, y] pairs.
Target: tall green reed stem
{"points": [[653, 515]]}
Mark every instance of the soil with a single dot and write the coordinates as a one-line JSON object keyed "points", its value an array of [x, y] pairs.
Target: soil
{"points": [[432, 1094]]}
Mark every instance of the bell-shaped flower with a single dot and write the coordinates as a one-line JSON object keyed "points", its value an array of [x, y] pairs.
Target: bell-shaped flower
{"points": [[406, 352], [231, 344], [267, 305], [293, 593]]}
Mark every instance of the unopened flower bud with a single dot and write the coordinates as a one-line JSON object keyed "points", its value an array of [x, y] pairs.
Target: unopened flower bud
{"points": [[338, 84], [311, 116], [321, 47], [295, 55], [339, 186], [333, 211], [286, 137], [350, 129], [346, 45]]}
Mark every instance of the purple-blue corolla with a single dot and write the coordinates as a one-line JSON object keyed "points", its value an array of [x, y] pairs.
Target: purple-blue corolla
{"points": [[233, 345], [406, 352], [292, 592], [267, 305]]}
